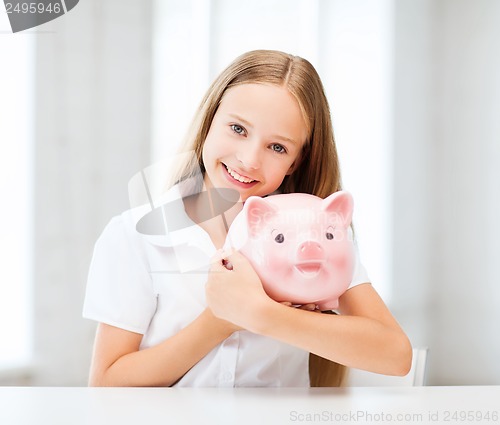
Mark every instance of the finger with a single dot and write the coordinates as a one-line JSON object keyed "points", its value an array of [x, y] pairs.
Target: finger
{"points": [[308, 307], [227, 264], [230, 254], [287, 303], [236, 258]]}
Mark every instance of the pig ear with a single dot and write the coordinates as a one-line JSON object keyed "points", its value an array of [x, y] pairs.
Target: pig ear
{"points": [[341, 205], [258, 212]]}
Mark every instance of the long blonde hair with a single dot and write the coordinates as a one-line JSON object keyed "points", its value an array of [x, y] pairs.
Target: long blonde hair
{"points": [[317, 171]]}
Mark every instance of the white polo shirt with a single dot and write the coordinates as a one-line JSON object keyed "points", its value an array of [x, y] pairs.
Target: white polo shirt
{"points": [[155, 286]]}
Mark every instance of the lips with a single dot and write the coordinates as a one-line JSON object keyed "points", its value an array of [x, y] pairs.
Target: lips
{"points": [[238, 177], [309, 269]]}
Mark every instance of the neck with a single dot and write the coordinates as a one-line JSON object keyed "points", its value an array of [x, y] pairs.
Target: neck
{"points": [[212, 213]]}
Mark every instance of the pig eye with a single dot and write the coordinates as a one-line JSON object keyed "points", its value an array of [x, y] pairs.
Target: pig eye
{"points": [[329, 234], [279, 238]]}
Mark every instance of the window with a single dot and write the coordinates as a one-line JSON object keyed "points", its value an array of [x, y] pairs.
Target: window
{"points": [[16, 192]]}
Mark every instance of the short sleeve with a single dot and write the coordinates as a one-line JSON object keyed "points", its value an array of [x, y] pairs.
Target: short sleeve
{"points": [[119, 288], [360, 275]]}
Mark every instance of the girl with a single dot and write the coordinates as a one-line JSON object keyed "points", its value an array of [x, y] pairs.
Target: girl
{"points": [[263, 126]]}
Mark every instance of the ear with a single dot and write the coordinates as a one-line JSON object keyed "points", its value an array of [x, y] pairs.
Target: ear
{"points": [[258, 213], [341, 205]]}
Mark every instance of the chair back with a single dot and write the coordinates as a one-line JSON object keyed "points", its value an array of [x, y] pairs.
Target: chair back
{"points": [[415, 378]]}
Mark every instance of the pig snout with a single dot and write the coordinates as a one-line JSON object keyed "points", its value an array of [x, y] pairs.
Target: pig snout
{"points": [[310, 251], [310, 258]]}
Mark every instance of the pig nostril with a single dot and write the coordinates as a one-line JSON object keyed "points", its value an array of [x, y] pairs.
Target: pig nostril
{"points": [[310, 247]]}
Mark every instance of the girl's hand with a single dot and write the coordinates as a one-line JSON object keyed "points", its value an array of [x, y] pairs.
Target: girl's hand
{"points": [[234, 291]]}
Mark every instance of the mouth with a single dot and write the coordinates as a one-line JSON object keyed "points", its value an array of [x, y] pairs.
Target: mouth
{"points": [[238, 178], [309, 269]]}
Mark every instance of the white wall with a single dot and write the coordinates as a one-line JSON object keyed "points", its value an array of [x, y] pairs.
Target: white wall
{"points": [[466, 322], [92, 134], [447, 181], [16, 200], [413, 166]]}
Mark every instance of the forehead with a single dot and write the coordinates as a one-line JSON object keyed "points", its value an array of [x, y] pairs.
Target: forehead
{"points": [[258, 94]]}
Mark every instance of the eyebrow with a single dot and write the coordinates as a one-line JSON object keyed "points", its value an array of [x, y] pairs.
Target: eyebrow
{"points": [[276, 136]]}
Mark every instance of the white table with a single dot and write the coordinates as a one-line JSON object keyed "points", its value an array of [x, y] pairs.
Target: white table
{"points": [[239, 406]]}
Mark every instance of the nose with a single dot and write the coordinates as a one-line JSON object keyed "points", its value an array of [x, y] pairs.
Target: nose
{"points": [[249, 156], [310, 250]]}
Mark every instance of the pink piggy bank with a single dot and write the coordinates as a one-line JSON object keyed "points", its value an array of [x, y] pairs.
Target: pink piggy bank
{"points": [[299, 245]]}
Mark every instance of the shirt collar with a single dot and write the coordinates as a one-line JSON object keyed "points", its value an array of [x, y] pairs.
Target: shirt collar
{"points": [[165, 223], [168, 225]]}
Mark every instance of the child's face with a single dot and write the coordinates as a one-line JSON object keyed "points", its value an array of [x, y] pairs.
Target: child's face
{"points": [[255, 137]]}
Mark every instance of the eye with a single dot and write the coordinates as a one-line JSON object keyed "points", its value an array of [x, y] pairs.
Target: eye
{"points": [[278, 148], [279, 238], [238, 129], [329, 233]]}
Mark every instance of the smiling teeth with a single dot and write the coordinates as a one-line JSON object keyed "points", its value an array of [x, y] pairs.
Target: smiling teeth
{"points": [[238, 177]]}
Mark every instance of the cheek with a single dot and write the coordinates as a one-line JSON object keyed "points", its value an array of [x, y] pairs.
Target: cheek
{"points": [[289, 167], [211, 149], [294, 159], [278, 171], [209, 144], [204, 156], [341, 259], [218, 145], [270, 256]]}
